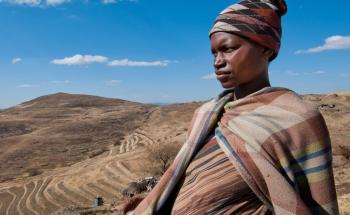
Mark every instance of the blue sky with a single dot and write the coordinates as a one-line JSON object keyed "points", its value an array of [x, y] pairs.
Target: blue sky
{"points": [[155, 51]]}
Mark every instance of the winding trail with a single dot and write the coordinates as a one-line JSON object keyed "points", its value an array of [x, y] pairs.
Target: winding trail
{"points": [[11, 203], [131, 142], [40, 191], [64, 194], [21, 199], [5, 199], [49, 198], [125, 170], [78, 184], [74, 193], [28, 204]]}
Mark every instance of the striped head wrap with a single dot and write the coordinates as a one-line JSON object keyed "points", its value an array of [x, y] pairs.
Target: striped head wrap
{"points": [[257, 20]]}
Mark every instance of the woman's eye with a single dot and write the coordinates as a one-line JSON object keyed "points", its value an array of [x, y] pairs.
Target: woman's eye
{"points": [[230, 49]]}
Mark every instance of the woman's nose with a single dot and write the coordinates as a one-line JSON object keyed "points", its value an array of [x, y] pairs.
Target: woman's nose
{"points": [[219, 61]]}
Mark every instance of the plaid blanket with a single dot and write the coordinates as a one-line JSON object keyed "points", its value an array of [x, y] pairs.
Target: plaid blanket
{"points": [[279, 144]]}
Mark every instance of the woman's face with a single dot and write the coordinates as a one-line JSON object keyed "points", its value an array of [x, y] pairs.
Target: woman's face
{"points": [[238, 61]]}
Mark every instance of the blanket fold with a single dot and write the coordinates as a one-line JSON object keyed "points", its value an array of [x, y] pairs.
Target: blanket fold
{"points": [[279, 144]]}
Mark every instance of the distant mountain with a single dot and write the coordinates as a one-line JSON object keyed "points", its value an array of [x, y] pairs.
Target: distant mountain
{"points": [[160, 103], [73, 100]]}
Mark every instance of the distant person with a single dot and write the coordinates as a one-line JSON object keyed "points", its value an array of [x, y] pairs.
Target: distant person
{"points": [[255, 149]]}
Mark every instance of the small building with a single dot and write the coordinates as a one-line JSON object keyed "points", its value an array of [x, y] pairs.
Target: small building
{"points": [[98, 201]]}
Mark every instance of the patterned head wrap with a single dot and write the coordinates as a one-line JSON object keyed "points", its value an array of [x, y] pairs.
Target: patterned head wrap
{"points": [[257, 20]]}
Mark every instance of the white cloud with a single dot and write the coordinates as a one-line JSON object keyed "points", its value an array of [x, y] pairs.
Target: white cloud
{"points": [[26, 86], [319, 72], [61, 82], [113, 82], [43, 3], [127, 62], [35, 3], [22, 2], [336, 42], [210, 76], [80, 59], [116, 1], [109, 1], [88, 59], [16, 60], [56, 2]]}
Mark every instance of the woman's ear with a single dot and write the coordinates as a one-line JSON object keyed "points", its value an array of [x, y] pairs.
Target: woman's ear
{"points": [[267, 53]]}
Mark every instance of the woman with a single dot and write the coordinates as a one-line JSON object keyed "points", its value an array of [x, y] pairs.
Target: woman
{"points": [[254, 149]]}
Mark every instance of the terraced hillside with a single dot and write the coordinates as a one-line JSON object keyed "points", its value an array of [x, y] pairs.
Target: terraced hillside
{"points": [[75, 185], [105, 175], [103, 172], [61, 129]]}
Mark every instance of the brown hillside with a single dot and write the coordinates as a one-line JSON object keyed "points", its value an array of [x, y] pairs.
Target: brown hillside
{"points": [[62, 129]]}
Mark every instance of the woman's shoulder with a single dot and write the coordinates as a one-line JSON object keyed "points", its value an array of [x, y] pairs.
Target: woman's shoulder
{"points": [[292, 101]]}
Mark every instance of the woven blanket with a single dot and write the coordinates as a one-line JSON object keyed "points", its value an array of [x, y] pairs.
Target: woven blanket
{"points": [[278, 142]]}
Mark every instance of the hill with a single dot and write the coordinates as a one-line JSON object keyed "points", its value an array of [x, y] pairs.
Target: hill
{"points": [[61, 129]]}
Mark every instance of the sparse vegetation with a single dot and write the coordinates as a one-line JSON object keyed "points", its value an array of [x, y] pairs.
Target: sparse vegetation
{"points": [[34, 172], [159, 157], [143, 185], [345, 151], [8, 129], [98, 152]]}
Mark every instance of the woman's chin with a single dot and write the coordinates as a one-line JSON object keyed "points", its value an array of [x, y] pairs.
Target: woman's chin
{"points": [[228, 85]]}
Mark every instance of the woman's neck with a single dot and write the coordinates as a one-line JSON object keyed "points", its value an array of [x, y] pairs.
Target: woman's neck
{"points": [[252, 87]]}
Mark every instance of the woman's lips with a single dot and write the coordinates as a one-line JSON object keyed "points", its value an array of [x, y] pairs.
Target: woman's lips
{"points": [[223, 77]]}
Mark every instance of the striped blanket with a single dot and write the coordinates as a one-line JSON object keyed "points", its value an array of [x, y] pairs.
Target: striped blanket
{"points": [[279, 144]]}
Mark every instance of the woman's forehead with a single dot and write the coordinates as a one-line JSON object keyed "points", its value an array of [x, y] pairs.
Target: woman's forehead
{"points": [[224, 37]]}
